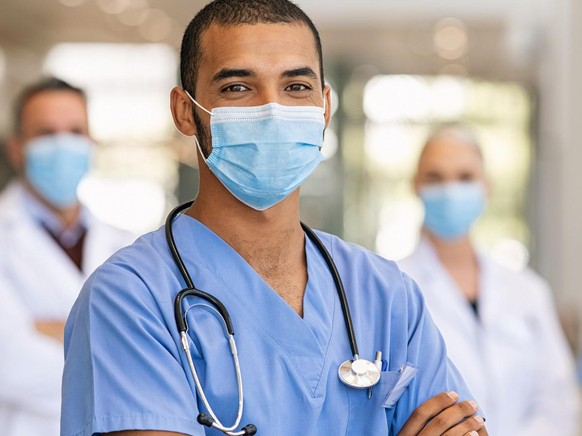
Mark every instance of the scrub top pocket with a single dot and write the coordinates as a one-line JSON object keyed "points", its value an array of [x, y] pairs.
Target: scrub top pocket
{"points": [[367, 413], [398, 383], [371, 414]]}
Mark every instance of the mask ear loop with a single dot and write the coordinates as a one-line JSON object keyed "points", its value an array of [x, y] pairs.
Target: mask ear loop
{"points": [[198, 104], [200, 149], [324, 109], [195, 136]]}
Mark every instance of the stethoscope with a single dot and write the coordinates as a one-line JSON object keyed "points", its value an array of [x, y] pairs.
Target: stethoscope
{"points": [[356, 373]]}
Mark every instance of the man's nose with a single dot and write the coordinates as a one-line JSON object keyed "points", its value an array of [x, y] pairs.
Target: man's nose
{"points": [[268, 95]]}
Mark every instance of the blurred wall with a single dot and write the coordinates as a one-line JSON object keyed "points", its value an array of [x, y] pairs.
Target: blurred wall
{"points": [[557, 191]]}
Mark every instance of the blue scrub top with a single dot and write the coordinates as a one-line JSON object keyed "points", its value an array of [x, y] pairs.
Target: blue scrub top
{"points": [[125, 368]]}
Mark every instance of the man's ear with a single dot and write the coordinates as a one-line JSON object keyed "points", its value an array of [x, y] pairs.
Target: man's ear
{"points": [[181, 107], [327, 98], [15, 152]]}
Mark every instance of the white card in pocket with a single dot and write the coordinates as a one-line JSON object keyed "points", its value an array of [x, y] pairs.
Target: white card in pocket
{"points": [[403, 379]]}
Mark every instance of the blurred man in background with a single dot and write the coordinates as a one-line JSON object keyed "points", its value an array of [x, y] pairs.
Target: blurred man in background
{"points": [[50, 244], [500, 326]]}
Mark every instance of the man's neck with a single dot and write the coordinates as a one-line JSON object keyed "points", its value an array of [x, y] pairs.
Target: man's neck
{"points": [[240, 225], [272, 241]]}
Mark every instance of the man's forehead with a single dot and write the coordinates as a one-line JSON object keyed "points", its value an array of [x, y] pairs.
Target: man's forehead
{"points": [[54, 97], [54, 106], [216, 36]]}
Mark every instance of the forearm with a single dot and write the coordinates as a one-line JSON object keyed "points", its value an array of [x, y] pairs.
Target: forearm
{"points": [[31, 363]]}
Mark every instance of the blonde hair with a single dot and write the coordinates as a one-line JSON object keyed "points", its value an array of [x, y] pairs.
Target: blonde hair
{"points": [[459, 131]]}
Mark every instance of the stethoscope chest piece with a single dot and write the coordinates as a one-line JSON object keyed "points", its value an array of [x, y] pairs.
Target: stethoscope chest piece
{"points": [[359, 373]]}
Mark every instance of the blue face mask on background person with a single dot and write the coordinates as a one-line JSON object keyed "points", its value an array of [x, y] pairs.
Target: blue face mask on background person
{"points": [[55, 164], [451, 208], [261, 154]]}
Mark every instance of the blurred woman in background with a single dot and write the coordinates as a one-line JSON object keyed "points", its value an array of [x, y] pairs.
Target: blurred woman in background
{"points": [[520, 369]]}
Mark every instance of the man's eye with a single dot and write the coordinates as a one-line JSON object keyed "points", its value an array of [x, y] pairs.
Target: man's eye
{"points": [[235, 88], [297, 87]]}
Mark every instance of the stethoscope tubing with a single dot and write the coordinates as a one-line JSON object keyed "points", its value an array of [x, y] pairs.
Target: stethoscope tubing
{"points": [[193, 292], [172, 243], [234, 352], [181, 322], [339, 286]]}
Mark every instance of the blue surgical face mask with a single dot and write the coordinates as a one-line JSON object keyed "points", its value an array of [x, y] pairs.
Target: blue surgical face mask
{"points": [[55, 164], [261, 154], [451, 208]]}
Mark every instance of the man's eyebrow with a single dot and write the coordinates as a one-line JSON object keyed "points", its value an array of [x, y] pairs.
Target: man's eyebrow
{"points": [[227, 73], [297, 72]]}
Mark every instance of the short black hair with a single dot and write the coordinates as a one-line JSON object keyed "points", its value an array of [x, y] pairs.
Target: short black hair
{"points": [[234, 13], [43, 85]]}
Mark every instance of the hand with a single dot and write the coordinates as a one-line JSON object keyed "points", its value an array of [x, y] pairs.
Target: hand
{"points": [[442, 415], [53, 329]]}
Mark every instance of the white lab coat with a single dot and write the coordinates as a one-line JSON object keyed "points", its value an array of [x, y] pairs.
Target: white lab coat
{"points": [[38, 281], [513, 356]]}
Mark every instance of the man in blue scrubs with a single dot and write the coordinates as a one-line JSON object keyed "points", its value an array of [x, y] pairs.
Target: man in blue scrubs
{"points": [[253, 97]]}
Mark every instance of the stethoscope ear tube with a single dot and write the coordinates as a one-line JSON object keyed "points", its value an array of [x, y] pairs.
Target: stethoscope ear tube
{"points": [[339, 285], [191, 289], [172, 243], [357, 373], [207, 421], [179, 313]]}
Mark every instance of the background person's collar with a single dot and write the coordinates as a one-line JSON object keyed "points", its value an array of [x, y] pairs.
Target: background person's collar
{"points": [[67, 237]]}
